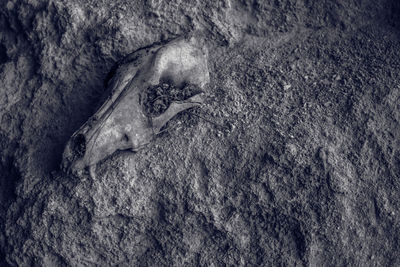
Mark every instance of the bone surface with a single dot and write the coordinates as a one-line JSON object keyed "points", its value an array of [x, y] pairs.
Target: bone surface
{"points": [[122, 123]]}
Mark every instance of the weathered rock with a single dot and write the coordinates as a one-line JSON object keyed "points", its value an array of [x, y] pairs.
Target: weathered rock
{"points": [[292, 159]]}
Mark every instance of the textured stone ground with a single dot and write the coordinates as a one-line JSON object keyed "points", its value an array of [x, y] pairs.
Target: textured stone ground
{"points": [[299, 166]]}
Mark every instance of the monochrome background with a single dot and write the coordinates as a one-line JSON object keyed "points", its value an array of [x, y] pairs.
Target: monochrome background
{"points": [[296, 162]]}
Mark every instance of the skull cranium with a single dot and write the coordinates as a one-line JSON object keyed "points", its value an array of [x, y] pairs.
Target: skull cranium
{"points": [[121, 122]]}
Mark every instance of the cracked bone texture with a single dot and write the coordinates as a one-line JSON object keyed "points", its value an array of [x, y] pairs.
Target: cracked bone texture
{"points": [[122, 123], [296, 161]]}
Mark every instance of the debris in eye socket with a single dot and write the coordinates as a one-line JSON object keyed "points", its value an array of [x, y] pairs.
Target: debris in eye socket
{"points": [[79, 146], [156, 99]]}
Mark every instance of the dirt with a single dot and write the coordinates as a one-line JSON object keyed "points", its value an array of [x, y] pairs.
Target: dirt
{"points": [[293, 159]]}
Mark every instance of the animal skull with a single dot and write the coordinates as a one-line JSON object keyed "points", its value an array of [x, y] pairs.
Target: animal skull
{"points": [[121, 123]]}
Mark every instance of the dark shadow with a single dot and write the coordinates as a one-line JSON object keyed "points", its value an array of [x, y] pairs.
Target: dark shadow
{"points": [[392, 18], [3, 54], [9, 176], [3, 261]]}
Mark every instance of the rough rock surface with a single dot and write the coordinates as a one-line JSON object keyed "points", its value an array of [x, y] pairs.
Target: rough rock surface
{"points": [[296, 162]]}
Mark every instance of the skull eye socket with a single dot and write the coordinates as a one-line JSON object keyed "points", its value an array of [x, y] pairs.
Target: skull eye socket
{"points": [[156, 99], [79, 146], [125, 138]]}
